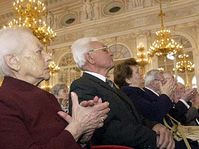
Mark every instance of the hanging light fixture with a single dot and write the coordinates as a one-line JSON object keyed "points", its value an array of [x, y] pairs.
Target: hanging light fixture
{"points": [[142, 57], [53, 67], [184, 65], [163, 43], [29, 14]]}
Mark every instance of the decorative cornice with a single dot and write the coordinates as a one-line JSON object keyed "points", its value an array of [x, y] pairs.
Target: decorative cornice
{"points": [[129, 23], [134, 14]]}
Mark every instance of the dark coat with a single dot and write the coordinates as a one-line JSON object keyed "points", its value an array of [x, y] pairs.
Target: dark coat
{"points": [[178, 111], [148, 104], [124, 126], [29, 120]]}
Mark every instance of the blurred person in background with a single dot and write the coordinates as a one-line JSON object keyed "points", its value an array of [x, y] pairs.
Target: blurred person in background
{"points": [[189, 99], [185, 108], [60, 91]]}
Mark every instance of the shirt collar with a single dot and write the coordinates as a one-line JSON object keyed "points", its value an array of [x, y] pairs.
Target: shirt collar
{"points": [[152, 91], [101, 77]]}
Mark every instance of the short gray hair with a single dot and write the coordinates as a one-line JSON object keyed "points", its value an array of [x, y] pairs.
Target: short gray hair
{"points": [[12, 41], [150, 76], [79, 48], [57, 87]]}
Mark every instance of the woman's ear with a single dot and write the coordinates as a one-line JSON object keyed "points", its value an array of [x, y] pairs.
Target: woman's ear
{"points": [[90, 58], [12, 62]]}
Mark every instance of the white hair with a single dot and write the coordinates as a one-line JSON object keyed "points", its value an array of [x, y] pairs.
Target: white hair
{"points": [[79, 48], [150, 76], [12, 41]]}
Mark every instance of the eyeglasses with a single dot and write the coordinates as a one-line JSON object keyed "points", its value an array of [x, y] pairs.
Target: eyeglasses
{"points": [[105, 49]]}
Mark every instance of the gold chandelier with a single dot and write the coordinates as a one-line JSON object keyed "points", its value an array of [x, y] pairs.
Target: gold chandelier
{"points": [[184, 63], [53, 67], [163, 43], [29, 14], [142, 57]]}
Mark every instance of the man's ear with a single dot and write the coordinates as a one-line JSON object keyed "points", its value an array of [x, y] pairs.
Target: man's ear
{"points": [[128, 81], [89, 58], [12, 62]]}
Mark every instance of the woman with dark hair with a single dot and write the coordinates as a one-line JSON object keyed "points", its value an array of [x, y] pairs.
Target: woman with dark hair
{"points": [[128, 74], [129, 79]]}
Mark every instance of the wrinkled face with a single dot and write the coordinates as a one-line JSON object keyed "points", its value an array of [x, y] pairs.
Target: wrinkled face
{"points": [[159, 79], [101, 56], [168, 76], [34, 62], [179, 91], [136, 77]]}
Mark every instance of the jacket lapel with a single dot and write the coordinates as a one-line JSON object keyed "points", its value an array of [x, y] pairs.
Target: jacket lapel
{"points": [[122, 96]]}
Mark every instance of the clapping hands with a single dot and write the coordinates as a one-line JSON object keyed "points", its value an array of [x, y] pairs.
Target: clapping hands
{"points": [[86, 116]]}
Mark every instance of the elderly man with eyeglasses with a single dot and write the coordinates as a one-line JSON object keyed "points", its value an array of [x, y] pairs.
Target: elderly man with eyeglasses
{"points": [[123, 126]]}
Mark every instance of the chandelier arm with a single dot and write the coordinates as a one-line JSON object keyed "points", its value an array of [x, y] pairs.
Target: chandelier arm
{"points": [[162, 14]]}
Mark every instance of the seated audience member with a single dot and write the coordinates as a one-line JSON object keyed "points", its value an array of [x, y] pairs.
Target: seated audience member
{"points": [[123, 126], [183, 110], [193, 115], [156, 84], [131, 82], [189, 100], [31, 118], [179, 92], [60, 91]]}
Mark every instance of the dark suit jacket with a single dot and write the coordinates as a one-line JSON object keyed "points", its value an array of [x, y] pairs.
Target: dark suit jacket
{"points": [[124, 126], [178, 110], [192, 116], [149, 106], [186, 116]]}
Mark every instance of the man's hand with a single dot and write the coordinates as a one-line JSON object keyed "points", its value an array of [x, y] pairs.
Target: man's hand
{"points": [[91, 103], [164, 137], [189, 94], [168, 87], [195, 101]]}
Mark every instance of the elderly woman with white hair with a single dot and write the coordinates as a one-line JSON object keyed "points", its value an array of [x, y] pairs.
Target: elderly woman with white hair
{"points": [[31, 118]]}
